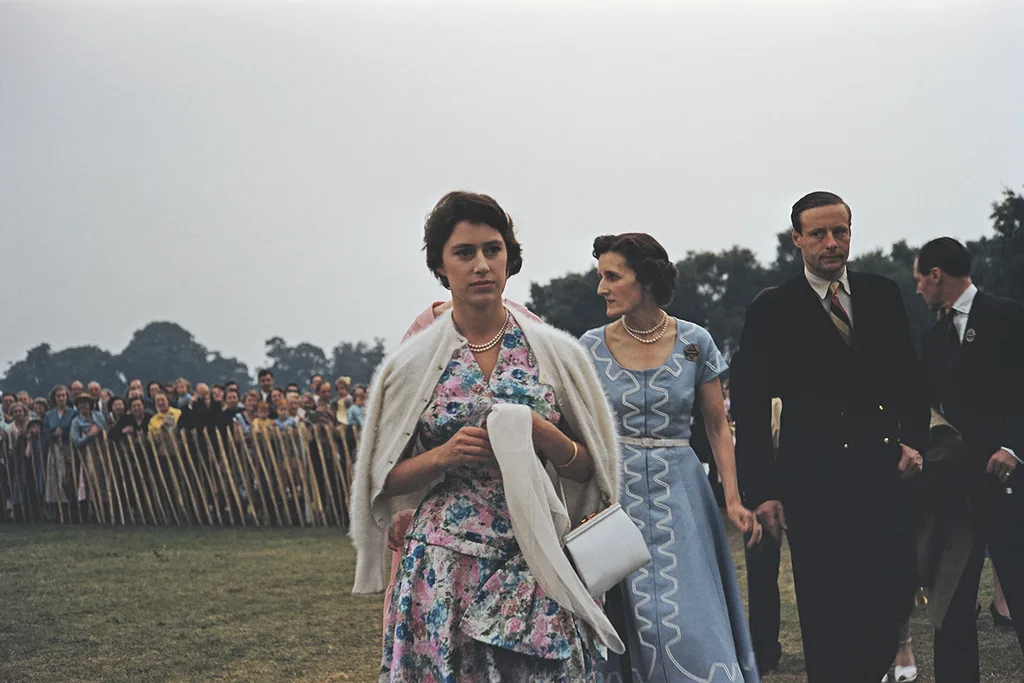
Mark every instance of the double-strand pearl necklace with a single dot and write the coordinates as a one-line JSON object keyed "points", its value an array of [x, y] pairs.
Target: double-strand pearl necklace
{"points": [[640, 335], [495, 340]]}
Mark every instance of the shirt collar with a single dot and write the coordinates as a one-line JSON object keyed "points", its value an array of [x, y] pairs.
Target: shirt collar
{"points": [[820, 285], [966, 300]]}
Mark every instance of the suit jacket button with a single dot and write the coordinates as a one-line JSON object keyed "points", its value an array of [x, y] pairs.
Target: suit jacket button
{"points": [[846, 446], [885, 440], [881, 407]]}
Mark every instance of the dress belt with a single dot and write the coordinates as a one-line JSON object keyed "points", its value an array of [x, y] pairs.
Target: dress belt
{"points": [[648, 442]]}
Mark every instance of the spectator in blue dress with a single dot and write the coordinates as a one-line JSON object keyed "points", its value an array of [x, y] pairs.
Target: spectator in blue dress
{"points": [[681, 613], [88, 423]]}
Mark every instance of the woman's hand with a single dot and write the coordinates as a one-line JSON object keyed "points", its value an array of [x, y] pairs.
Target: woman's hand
{"points": [[469, 446], [744, 520], [399, 527]]}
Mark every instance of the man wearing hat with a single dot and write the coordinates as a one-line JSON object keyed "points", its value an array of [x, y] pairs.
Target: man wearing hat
{"points": [[975, 360]]}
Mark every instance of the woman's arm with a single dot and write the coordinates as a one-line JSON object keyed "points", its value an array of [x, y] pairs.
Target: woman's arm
{"points": [[712, 406], [470, 445], [568, 454], [716, 423]]}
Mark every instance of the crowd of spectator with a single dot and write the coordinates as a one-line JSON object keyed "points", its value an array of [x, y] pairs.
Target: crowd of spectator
{"points": [[36, 435]]}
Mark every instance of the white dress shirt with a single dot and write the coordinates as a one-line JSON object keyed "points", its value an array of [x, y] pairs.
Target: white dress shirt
{"points": [[820, 286], [961, 312]]}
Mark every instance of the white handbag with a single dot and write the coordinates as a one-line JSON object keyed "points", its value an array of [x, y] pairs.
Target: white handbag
{"points": [[606, 548]]}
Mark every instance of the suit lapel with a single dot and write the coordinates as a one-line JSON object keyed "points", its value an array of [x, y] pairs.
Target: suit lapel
{"points": [[818, 318]]}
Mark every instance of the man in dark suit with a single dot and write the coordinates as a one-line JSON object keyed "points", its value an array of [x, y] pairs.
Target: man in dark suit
{"points": [[835, 347], [975, 362]]}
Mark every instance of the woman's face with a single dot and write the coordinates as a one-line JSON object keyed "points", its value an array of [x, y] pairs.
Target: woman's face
{"points": [[618, 286], [180, 387], [251, 403], [117, 408], [162, 404], [232, 399], [139, 408], [40, 407], [61, 397], [218, 394], [154, 389], [83, 409], [263, 410], [276, 396], [475, 262], [20, 413]]}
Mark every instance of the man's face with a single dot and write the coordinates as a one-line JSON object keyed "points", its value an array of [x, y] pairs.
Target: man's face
{"points": [[324, 393], [95, 391], [203, 392], [266, 383], [135, 384], [161, 404], [8, 402], [76, 388], [824, 240], [138, 409], [929, 287]]}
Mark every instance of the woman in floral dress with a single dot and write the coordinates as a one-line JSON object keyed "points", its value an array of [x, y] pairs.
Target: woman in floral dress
{"points": [[465, 606]]}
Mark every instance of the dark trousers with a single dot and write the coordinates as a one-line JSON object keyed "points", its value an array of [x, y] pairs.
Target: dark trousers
{"points": [[763, 601], [999, 523]]}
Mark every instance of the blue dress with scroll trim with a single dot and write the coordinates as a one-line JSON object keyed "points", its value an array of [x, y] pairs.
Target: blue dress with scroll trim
{"points": [[684, 613]]}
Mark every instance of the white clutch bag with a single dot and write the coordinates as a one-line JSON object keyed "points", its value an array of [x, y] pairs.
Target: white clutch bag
{"points": [[606, 549]]}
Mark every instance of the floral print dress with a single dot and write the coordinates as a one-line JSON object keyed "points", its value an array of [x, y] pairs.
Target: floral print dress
{"points": [[465, 607]]}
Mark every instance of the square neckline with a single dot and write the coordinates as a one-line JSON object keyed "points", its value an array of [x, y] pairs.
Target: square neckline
{"points": [[672, 352]]}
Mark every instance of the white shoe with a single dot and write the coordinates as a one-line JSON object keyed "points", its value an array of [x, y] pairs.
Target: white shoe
{"points": [[905, 674]]}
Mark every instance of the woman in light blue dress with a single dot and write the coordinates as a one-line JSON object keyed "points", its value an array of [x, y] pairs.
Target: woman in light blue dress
{"points": [[682, 614]]}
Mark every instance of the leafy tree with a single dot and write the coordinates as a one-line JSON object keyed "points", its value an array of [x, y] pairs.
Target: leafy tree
{"points": [[295, 363], [163, 351], [41, 370], [570, 303], [357, 361]]}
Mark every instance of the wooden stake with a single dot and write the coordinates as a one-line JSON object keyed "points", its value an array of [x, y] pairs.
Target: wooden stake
{"points": [[120, 452], [229, 472], [277, 476], [249, 471], [169, 495], [328, 479], [186, 476], [309, 493], [115, 474], [205, 472], [196, 476], [215, 465], [142, 477], [266, 480]]}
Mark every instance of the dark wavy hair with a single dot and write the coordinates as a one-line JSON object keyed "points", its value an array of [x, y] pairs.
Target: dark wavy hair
{"points": [[815, 200], [647, 258], [946, 254], [479, 209]]}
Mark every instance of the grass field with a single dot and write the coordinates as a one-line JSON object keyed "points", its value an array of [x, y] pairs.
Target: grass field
{"points": [[91, 604]]}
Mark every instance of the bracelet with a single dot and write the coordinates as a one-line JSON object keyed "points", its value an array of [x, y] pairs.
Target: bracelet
{"points": [[575, 452]]}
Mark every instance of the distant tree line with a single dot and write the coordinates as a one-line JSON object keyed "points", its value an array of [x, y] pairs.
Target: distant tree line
{"points": [[713, 290], [164, 351]]}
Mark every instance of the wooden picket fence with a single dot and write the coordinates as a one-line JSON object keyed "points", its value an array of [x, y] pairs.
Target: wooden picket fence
{"points": [[293, 477]]}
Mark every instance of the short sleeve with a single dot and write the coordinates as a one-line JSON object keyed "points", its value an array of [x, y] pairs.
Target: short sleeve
{"points": [[712, 363]]}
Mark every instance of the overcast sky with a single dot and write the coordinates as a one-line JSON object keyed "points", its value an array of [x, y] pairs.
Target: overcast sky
{"points": [[263, 168]]}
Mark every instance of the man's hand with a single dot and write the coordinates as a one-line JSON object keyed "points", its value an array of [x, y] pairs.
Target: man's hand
{"points": [[772, 518], [1001, 465], [911, 462], [128, 431], [94, 430]]}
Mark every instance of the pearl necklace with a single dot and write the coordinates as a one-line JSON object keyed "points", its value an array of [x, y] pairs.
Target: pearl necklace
{"points": [[495, 340], [660, 328]]}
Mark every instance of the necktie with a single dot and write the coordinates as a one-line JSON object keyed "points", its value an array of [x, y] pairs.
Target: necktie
{"points": [[840, 318], [952, 333]]}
